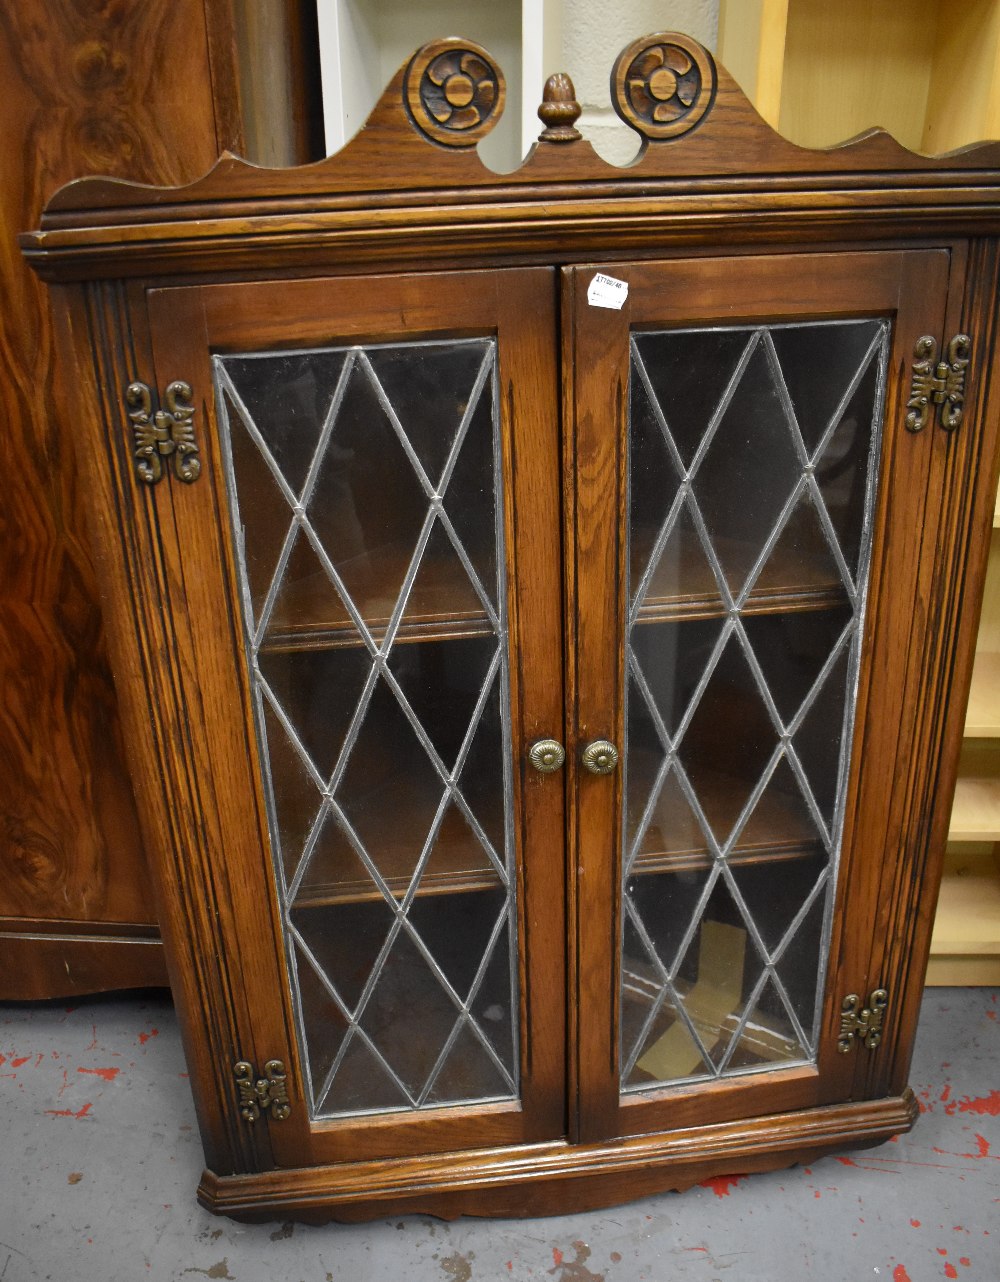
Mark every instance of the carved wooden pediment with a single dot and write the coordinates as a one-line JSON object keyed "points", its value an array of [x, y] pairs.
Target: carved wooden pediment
{"points": [[411, 182]]}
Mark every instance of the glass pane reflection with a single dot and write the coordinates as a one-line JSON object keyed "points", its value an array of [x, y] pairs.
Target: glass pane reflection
{"points": [[751, 475], [365, 495]]}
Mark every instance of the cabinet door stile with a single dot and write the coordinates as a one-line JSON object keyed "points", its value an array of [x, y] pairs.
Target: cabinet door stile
{"points": [[599, 395], [899, 639], [217, 752], [533, 513], [370, 745], [760, 488], [956, 537]]}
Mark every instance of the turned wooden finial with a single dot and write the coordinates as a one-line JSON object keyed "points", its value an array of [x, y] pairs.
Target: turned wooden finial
{"points": [[559, 110]]}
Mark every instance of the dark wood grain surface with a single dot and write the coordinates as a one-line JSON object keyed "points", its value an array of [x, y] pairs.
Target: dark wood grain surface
{"points": [[144, 89], [724, 221]]}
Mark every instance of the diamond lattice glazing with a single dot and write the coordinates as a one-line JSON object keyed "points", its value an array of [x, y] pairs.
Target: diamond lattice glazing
{"points": [[366, 501], [751, 477]]}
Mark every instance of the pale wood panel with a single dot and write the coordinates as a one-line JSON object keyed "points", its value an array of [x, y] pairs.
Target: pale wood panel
{"points": [[852, 65], [963, 104], [963, 972], [975, 815], [968, 916], [989, 622], [752, 49], [982, 718]]}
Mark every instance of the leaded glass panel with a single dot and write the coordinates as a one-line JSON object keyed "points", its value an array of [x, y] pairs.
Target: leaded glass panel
{"points": [[752, 463], [366, 501]]}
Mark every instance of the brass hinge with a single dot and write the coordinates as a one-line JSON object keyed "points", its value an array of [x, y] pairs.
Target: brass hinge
{"points": [[262, 1093], [168, 433], [940, 383], [864, 1024]]}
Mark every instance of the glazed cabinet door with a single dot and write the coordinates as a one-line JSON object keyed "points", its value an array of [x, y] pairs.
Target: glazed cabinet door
{"points": [[746, 588], [375, 537]]}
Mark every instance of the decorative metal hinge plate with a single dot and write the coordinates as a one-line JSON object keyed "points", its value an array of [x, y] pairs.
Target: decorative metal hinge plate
{"points": [[940, 383], [864, 1024], [169, 433], [262, 1094]]}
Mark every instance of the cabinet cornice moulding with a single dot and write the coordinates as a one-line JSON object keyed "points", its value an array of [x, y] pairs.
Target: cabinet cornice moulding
{"points": [[395, 193]]}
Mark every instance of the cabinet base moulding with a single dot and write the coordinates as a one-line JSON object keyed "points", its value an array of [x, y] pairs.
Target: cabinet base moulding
{"points": [[554, 1178], [37, 963]]}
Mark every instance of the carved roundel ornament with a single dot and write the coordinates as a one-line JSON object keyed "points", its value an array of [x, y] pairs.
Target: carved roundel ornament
{"points": [[663, 85], [454, 92]]}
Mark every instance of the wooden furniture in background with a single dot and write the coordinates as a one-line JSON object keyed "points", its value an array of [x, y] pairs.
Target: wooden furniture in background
{"points": [[150, 90], [543, 609], [929, 73], [362, 42]]}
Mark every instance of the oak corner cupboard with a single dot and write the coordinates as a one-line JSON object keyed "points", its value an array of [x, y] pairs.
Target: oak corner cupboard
{"points": [[543, 606]]}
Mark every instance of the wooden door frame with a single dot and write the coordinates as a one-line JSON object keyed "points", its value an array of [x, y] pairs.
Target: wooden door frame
{"points": [[186, 325], [911, 287]]}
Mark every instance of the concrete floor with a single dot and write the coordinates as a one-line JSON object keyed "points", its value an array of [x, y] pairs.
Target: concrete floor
{"points": [[100, 1158]]}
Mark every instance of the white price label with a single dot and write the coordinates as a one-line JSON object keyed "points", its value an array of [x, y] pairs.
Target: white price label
{"points": [[605, 291]]}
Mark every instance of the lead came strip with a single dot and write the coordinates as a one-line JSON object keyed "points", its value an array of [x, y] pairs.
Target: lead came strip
{"points": [[714, 945], [269, 404]]}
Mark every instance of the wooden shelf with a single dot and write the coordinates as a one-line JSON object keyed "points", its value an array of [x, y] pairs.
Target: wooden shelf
{"points": [[789, 600], [458, 864], [975, 815], [776, 831], [982, 718], [965, 946], [774, 852], [799, 577], [309, 615]]}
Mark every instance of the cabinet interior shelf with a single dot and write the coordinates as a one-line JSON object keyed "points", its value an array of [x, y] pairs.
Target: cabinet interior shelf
{"points": [[333, 634], [982, 718], [458, 865], [965, 946], [975, 814]]}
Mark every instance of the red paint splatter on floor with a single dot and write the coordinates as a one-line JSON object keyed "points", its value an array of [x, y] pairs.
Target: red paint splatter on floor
{"points": [[942, 1250], [93, 1043], [697, 1248], [106, 1074], [615, 1258], [847, 1161], [68, 1112], [915, 1224], [946, 1094], [950, 1271], [991, 1014], [20, 1061], [721, 1185], [965, 1262], [510, 1266], [817, 1193], [557, 1256], [144, 1037], [985, 1105], [899, 1274]]}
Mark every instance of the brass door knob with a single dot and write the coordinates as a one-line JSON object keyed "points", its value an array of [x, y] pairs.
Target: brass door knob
{"points": [[547, 755], [600, 757]]}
